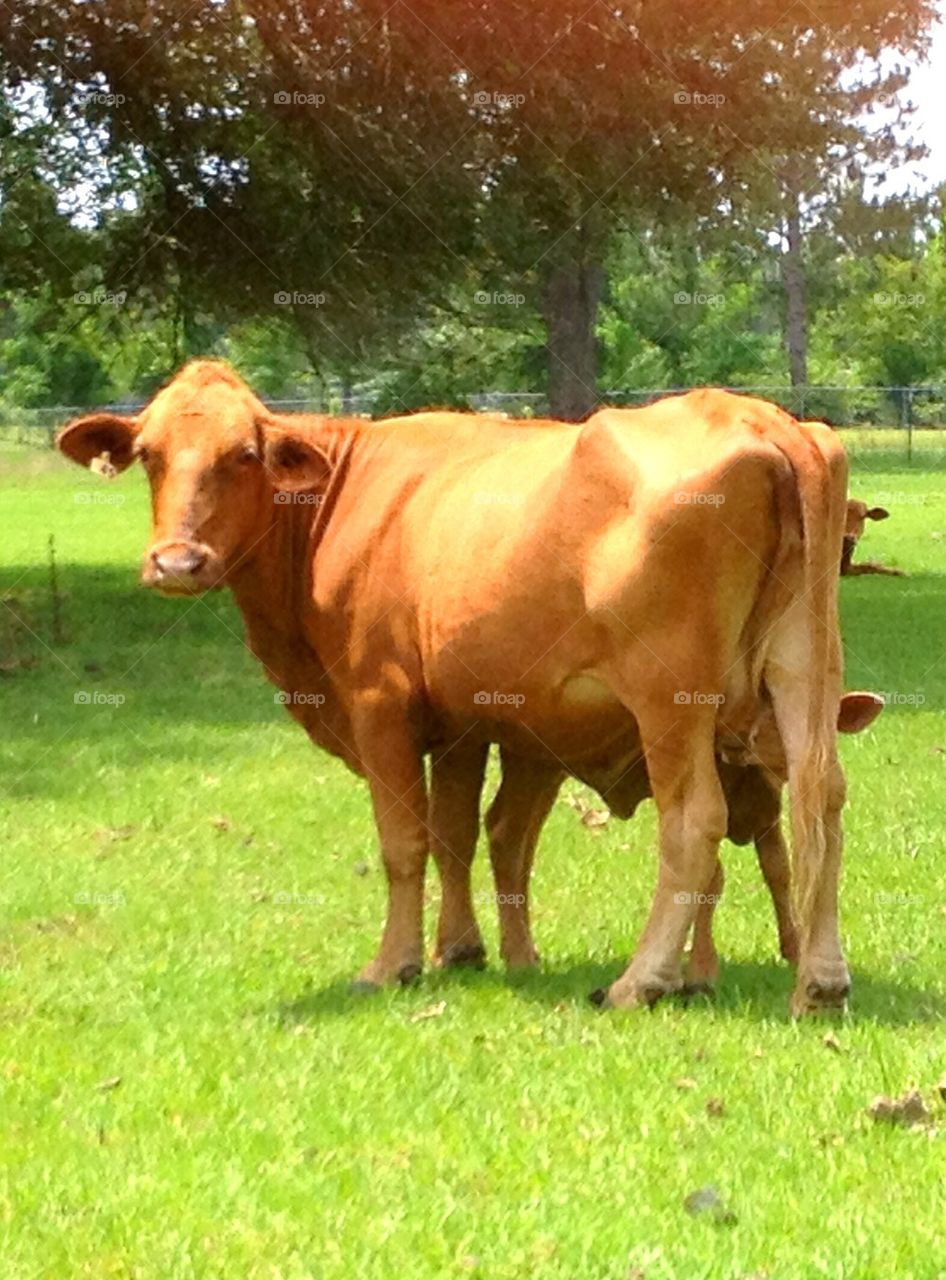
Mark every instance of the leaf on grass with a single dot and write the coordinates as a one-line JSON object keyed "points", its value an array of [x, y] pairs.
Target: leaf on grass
{"points": [[221, 822], [830, 1041], [361, 868], [110, 1082], [908, 1110], [432, 1011], [684, 1083], [715, 1107], [108, 835]]}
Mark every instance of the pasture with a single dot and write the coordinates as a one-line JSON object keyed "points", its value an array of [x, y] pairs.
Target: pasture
{"points": [[188, 1089]]}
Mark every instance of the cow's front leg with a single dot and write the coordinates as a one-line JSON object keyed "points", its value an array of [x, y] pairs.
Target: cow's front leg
{"points": [[456, 780], [394, 769]]}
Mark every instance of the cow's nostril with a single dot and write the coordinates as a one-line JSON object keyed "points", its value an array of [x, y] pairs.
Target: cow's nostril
{"points": [[181, 563]]}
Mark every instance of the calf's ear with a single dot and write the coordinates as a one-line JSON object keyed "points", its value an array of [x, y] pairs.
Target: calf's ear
{"points": [[88, 438], [877, 513], [857, 710], [293, 462]]}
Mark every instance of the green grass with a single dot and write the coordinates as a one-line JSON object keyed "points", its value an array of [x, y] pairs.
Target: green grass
{"points": [[268, 1125]]}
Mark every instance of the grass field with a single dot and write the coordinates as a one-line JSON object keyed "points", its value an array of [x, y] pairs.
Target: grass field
{"points": [[187, 1088]]}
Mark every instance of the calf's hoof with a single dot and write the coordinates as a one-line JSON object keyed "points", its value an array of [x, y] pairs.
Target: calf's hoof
{"points": [[374, 976], [701, 973], [469, 955], [522, 960]]}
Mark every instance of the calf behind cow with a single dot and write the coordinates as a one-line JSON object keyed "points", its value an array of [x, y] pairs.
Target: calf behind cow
{"points": [[562, 618], [858, 513]]}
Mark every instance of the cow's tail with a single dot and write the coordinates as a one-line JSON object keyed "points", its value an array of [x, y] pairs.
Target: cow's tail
{"points": [[803, 663]]}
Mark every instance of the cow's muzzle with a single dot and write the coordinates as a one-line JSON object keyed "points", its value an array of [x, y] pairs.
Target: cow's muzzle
{"points": [[180, 568]]}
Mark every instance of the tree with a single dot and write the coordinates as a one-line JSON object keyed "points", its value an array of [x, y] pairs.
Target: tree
{"points": [[351, 164]]}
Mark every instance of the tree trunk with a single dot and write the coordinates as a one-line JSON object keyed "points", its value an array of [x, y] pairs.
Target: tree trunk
{"points": [[793, 279], [570, 304]]}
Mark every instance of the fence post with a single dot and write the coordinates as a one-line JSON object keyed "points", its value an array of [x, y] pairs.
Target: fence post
{"points": [[906, 417]]}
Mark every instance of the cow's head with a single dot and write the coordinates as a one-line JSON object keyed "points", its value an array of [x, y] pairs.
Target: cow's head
{"points": [[215, 458], [858, 513]]}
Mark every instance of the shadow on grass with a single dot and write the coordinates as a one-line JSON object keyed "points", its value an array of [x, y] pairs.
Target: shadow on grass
{"points": [[749, 990]]}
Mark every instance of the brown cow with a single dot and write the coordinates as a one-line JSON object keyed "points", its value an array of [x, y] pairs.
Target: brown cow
{"points": [[858, 513], [638, 589]]}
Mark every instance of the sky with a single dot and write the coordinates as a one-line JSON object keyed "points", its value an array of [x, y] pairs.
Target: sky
{"points": [[928, 90]]}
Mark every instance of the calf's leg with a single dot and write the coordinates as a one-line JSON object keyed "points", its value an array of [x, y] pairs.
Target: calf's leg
{"points": [[456, 781], [514, 823]]}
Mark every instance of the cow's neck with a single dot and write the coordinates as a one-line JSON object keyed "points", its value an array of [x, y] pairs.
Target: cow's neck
{"points": [[273, 591]]}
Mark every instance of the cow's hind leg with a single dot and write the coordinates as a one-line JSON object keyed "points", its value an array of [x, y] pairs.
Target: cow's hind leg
{"points": [[456, 780], [514, 822], [679, 750]]}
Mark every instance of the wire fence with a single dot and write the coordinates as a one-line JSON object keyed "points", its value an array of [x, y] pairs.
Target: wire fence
{"points": [[908, 421]]}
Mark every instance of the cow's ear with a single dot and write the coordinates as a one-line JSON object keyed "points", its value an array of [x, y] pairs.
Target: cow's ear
{"points": [[88, 438], [293, 462], [878, 513], [858, 710]]}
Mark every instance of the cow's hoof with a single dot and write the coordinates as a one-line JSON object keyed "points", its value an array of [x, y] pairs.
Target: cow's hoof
{"points": [[522, 963], [821, 996], [471, 955], [643, 996], [408, 974]]}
